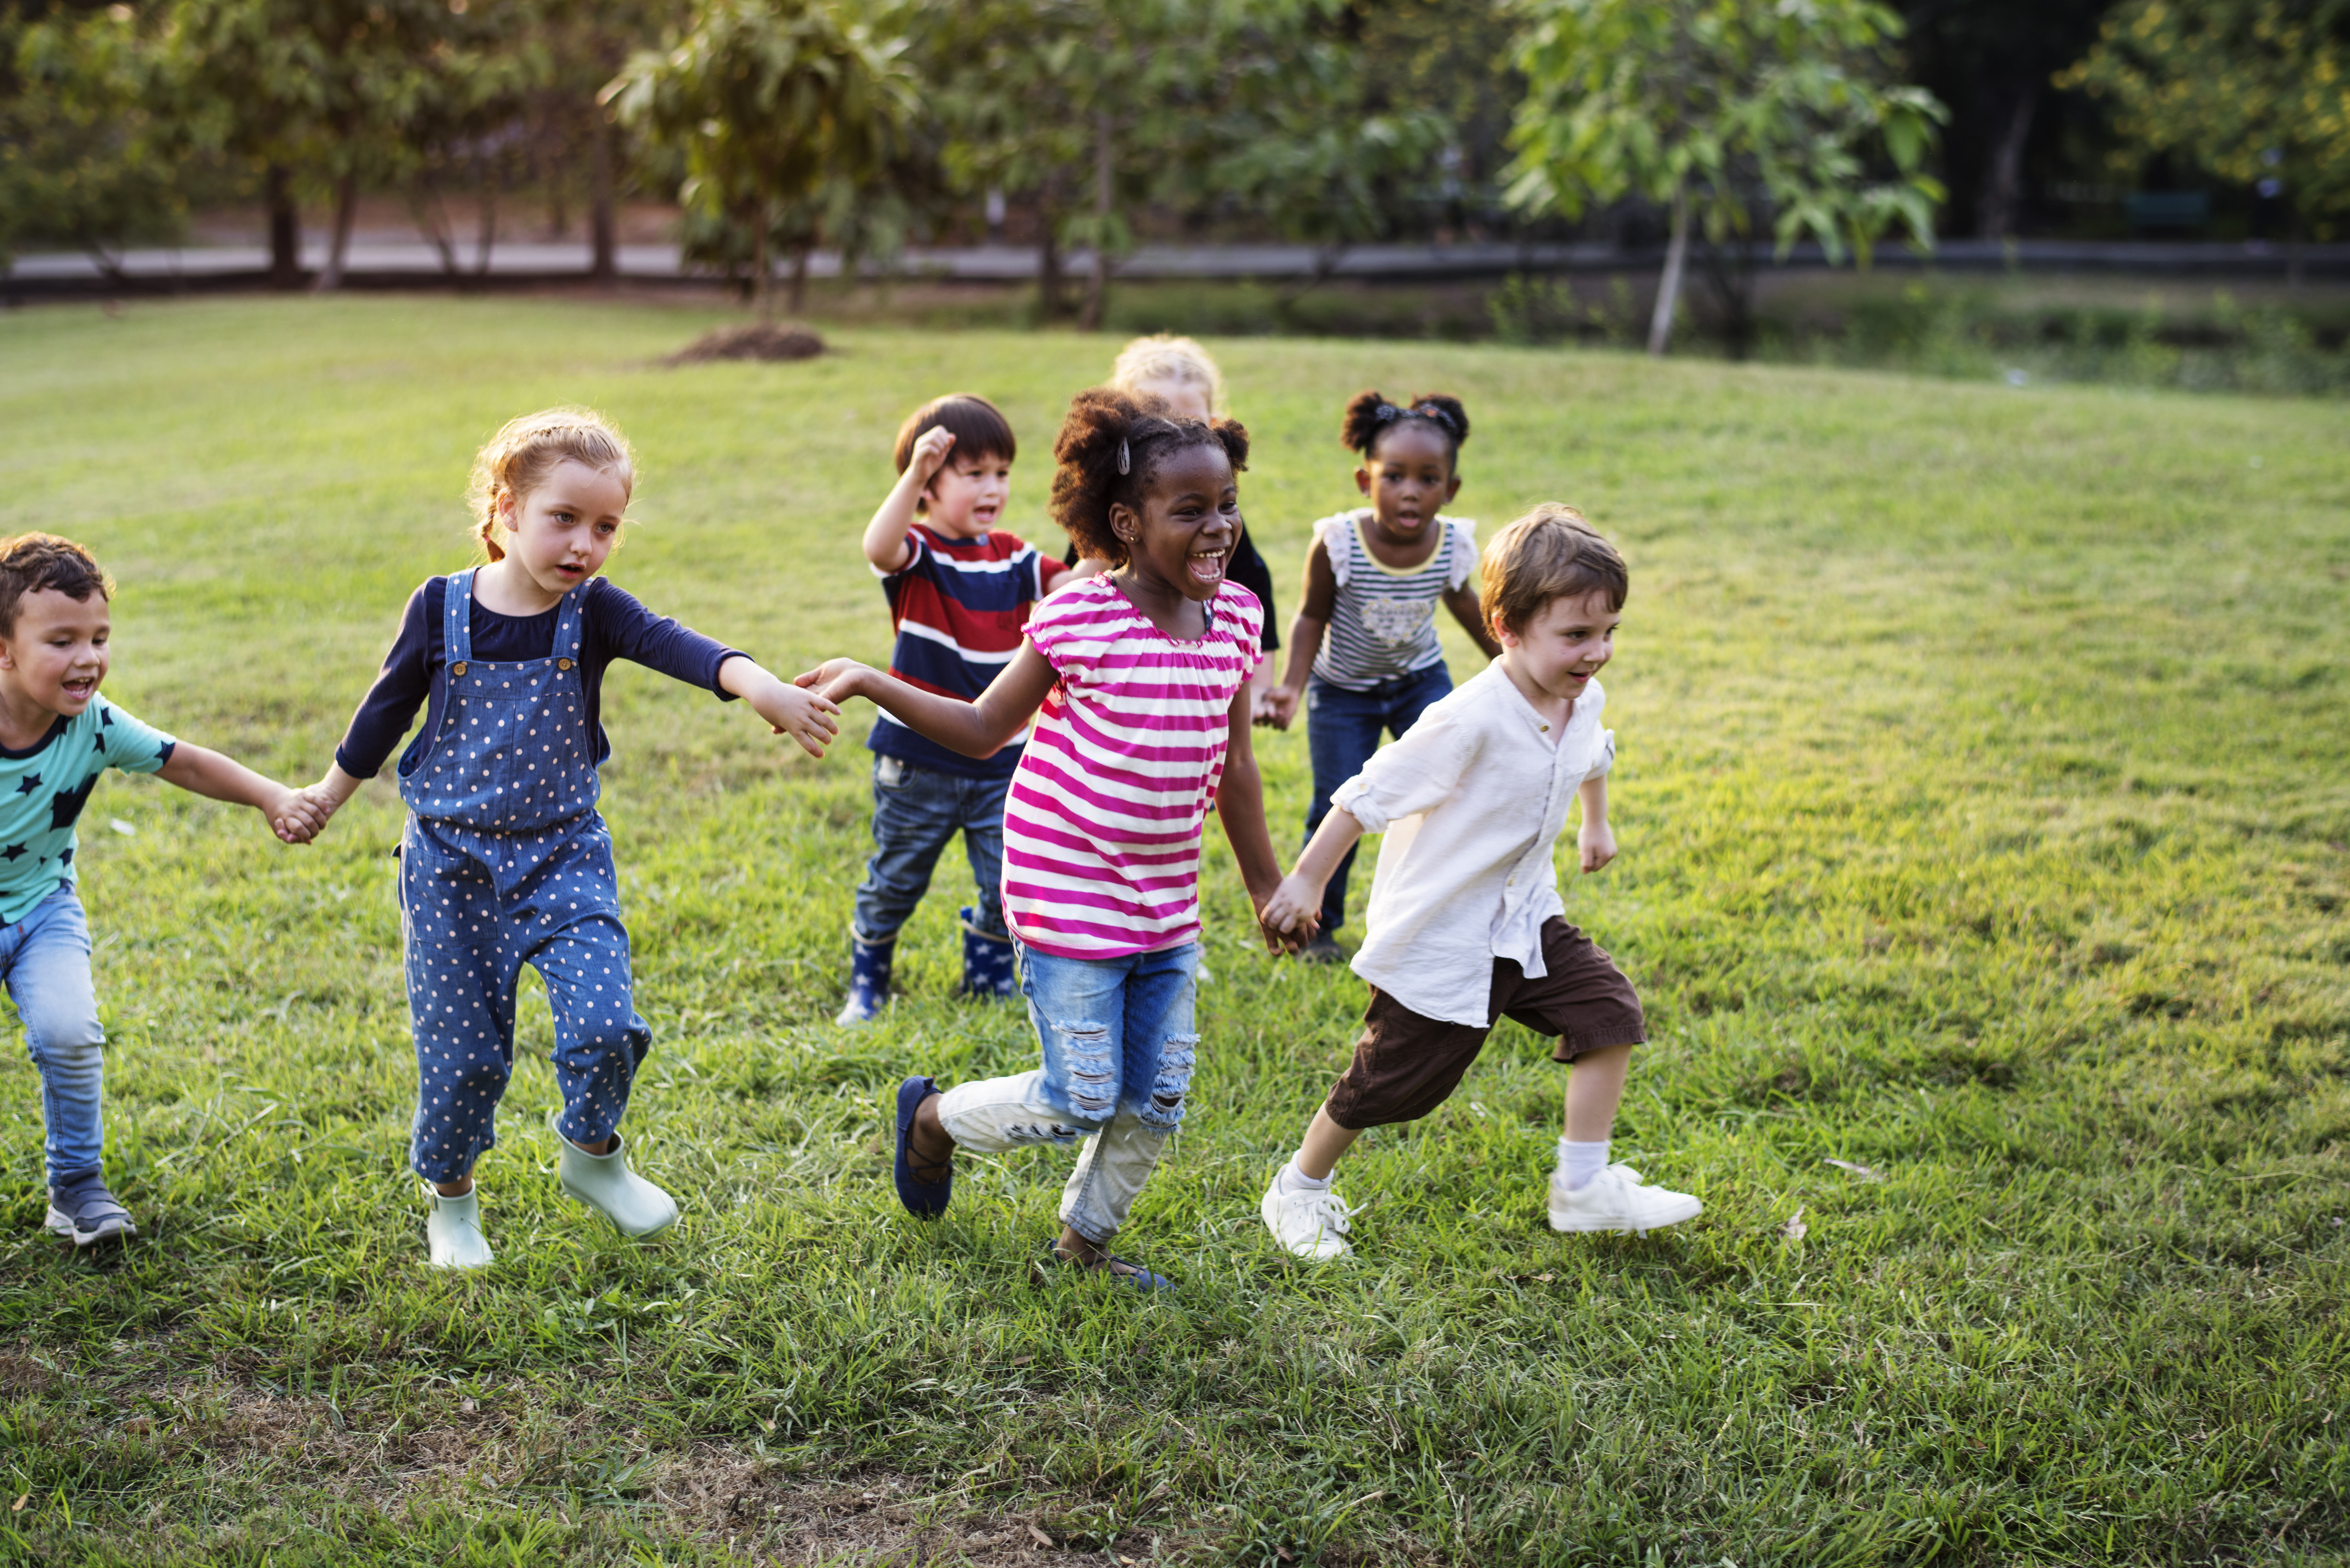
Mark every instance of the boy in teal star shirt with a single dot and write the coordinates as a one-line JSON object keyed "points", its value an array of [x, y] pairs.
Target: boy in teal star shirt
{"points": [[58, 738]]}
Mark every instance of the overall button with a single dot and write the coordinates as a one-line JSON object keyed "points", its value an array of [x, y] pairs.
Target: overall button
{"points": [[458, 668], [563, 664]]}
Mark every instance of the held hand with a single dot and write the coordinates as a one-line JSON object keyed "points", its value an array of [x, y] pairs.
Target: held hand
{"points": [[806, 716], [835, 680], [1597, 842], [297, 816], [1292, 916], [1276, 708]]}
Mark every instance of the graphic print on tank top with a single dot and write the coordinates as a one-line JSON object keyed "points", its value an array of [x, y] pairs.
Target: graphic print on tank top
{"points": [[1382, 624]]}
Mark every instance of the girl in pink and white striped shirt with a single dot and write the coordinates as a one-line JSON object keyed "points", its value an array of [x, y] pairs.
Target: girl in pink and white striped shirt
{"points": [[1138, 681]]}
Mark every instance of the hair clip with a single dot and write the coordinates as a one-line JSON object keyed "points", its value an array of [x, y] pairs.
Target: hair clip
{"points": [[1433, 414], [1388, 412], [1125, 457]]}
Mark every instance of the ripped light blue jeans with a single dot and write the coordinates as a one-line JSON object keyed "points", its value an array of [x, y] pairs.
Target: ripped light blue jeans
{"points": [[1118, 1053]]}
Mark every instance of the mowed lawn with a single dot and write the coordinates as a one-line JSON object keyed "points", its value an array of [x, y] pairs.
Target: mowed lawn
{"points": [[1985, 811]]}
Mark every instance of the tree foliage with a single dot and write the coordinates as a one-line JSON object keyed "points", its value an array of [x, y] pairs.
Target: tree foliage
{"points": [[2247, 89], [86, 158], [788, 114]]}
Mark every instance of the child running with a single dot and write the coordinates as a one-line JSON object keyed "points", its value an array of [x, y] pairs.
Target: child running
{"points": [[960, 590], [1137, 680], [505, 860], [1465, 922], [58, 737], [1366, 627]]}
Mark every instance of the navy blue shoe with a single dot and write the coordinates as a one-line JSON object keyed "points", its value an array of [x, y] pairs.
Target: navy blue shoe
{"points": [[1121, 1271], [987, 965], [923, 1200]]}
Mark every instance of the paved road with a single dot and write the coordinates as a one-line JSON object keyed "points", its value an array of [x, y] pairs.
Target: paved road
{"points": [[386, 261]]}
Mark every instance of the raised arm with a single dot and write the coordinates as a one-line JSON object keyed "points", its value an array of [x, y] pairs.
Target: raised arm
{"points": [[1470, 612], [976, 728], [886, 544], [1317, 600]]}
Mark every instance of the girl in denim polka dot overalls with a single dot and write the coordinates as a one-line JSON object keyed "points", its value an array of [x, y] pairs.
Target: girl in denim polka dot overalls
{"points": [[505, 861]]}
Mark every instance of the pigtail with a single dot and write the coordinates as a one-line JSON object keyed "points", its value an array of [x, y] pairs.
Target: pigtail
{"points": [[1368, 414], [1444, 411], [1233, 437]]}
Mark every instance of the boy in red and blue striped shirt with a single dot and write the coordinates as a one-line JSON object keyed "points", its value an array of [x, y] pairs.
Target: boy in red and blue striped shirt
{"points": [[960, 591]]}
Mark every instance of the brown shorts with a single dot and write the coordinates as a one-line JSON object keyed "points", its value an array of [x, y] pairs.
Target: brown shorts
{"points": [[1406, 1065]]}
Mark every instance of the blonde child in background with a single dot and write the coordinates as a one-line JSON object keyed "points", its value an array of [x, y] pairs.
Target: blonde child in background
{"points": [[505, 861], [959, 590], [1465, 922], [1366, 629], [58, 738]]}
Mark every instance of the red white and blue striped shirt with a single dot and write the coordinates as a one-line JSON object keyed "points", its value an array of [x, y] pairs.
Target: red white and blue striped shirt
{"points": [[1101, 827], [958, 607]]}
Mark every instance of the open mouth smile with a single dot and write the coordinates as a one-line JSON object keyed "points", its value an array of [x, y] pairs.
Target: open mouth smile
{"points": [[1207, 565]]}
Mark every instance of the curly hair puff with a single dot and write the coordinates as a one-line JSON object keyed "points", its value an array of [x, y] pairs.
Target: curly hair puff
{"points": [[1370, 416], [1103, 425]]}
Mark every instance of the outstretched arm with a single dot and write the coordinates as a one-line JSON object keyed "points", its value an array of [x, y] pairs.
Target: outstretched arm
{"points": [[291, 814], [1470, 611], [1240, 806], [806, 716], [1296, 905], [976, 728]]}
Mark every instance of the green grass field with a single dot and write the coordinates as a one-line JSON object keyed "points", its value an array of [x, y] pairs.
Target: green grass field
{"points": [[1985, 812]]}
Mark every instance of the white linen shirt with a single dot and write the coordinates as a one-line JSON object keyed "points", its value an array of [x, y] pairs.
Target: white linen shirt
{"points": [[1471, 798]]}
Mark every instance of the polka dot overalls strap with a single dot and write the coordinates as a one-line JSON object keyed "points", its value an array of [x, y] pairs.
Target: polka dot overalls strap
{"points": [[513, 754]]}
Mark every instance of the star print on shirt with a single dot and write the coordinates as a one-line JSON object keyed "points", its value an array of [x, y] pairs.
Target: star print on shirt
{"points": [[65, 807], [28, 784], [15, 852]]}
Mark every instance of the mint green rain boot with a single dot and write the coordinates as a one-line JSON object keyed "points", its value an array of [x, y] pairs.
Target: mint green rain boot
{"points": [[452, 1230], [605, 1183]]}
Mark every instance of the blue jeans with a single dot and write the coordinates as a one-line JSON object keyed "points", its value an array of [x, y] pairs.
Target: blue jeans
{"points": [[44, 959], [915, 810], [1342, 731], [1118, 1053]]}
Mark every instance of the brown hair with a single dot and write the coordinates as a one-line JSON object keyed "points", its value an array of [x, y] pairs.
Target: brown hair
{"points": [[1110, 445], [518, 460], [1551, 552], [978, 426], [30, 563], [1370, 416]]}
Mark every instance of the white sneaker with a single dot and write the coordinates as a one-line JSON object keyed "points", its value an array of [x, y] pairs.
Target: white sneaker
{"points": [[1614, 1201], [605, 1183], [452, 1230], [1307, 1223]]}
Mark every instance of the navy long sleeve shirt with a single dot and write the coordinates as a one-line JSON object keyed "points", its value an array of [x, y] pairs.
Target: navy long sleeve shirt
{"points": [[613, 625]]}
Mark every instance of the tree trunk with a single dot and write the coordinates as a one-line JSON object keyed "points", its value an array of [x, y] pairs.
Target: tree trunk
{"points": [[1668, 287], [1098, 280], [285, 228], [432, 216], [1048, 266], [486, 182], [799, 278], [2293, 267], [2002, 188], [762, 272], [346, 202], [602, 230]]}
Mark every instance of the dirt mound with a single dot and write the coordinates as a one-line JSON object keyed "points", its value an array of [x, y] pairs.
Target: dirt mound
{"points": [[758, 340]]}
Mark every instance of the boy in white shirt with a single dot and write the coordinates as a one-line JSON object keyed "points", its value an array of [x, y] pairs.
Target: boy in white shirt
{"points": [[1466, 925]]}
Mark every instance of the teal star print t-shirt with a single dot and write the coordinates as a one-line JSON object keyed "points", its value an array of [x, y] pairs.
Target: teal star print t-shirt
{"points": [[44, 788]]}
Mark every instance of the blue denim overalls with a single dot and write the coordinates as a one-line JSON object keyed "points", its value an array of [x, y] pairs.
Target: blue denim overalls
{"points": [[505, 863]]}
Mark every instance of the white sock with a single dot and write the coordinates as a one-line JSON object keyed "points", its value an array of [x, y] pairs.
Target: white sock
{"points": [[1292, 1180], [1579, 1162]]}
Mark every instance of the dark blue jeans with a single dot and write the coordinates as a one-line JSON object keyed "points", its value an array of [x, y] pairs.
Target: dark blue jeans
{"points": [[915, 810], [1342, 731]]}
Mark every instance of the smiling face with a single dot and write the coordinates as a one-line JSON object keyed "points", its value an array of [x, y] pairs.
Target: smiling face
{"points": [[1182, 537], [967, 495], [563, 531], [59, 653], [1408, 477], [1564, 644]]}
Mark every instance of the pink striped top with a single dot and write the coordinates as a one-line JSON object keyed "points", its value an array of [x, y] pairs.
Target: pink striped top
{"points": [[1101, 826]]}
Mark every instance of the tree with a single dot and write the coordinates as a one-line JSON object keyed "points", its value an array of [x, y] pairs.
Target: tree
{"points": [[1726, 112], [777, 107], [85, 160], [2249, 89]]}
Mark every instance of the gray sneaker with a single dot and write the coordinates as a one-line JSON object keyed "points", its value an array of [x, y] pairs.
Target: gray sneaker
{"points": [[85, 1213]]}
